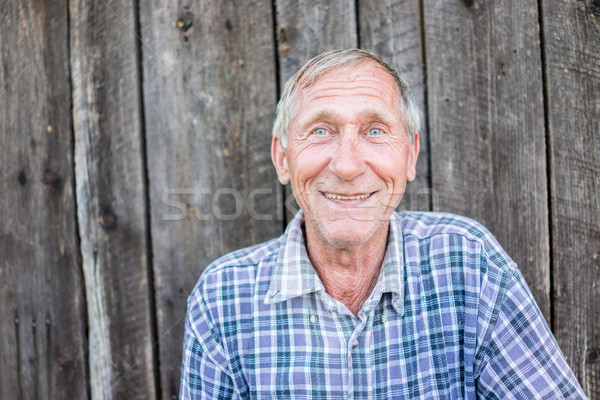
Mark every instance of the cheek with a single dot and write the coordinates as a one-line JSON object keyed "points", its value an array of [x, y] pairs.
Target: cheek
{"points": [[309, 164], [390, 167]]}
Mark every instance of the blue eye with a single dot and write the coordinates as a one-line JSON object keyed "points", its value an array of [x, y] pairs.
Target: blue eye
{"points": [[375, 132], [320, 132]]}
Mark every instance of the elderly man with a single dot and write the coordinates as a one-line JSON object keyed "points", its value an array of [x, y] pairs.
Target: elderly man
{"points": [[355, 300]]}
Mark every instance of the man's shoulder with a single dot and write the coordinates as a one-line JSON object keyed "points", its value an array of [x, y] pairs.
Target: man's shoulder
{"points": [[426, 224], [431, 225], [239, 267], [247, 256]]}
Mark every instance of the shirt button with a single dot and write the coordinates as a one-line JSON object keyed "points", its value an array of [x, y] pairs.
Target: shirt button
{"points": [[383, 318], [313, 318], [355, 344]]}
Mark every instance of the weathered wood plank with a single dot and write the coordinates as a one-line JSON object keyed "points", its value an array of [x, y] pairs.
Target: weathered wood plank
{"points": [[209, 94], [42, 331], [304, 30], [488, 154], [391, 29], [109, 171], [572, 54]]}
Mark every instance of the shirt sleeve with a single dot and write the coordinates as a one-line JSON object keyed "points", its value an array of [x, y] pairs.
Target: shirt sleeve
{"points": [[203, 375], [523, 360]]}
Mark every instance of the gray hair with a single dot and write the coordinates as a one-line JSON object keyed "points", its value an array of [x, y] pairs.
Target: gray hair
{"points": [[316, 67]]}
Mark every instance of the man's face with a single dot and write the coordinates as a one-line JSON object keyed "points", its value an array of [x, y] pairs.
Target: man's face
{"points": [[348, 156]]}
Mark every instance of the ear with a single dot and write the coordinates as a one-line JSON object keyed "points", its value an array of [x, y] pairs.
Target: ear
{"points": [[413, 153], [280, 161]]}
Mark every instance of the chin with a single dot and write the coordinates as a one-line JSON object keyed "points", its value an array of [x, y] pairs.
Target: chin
{"points": [[349, 232]]}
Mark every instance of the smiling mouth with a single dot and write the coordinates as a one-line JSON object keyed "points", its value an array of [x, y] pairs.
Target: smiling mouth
{"points": [[342, 197]]}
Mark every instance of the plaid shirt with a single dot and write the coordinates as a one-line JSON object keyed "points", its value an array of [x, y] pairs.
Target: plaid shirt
{"points": [[450, 317]]}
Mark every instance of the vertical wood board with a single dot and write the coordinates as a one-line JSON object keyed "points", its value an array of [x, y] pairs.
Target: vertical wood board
{"points": [[109, 173], [488, 154], [42, 328], [306, 29], [572, 53], [209, 95]]}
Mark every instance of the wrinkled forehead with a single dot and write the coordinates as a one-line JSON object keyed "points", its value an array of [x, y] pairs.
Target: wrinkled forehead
{"points": [[367, 78], [349, 71]]}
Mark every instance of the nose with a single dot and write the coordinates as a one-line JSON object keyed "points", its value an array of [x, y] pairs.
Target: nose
{"points": [[347, 162]]}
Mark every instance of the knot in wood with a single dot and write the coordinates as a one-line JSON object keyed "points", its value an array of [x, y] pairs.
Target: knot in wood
{"points": [[592, 357], [108, 219], [63, 361], [185, 20], [22, 178], [52, 178], [285, 49]]}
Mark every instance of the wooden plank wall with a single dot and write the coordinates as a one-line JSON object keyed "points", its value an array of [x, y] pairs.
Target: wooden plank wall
{"points": [[111, 198], [572, 65], [135, 138], [209, 96], [42, 301]]}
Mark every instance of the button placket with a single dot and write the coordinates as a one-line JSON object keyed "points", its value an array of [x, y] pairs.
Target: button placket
{"points": [[353, 343]]}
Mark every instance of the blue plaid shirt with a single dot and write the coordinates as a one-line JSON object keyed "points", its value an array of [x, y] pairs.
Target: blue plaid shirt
{"points": [[450, 317]]}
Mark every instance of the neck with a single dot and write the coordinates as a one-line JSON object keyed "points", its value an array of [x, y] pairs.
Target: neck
{"points": [[350, 272]]}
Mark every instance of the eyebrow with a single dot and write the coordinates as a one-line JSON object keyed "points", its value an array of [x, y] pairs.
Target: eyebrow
{"points": [[326, 114], [373, 114]]}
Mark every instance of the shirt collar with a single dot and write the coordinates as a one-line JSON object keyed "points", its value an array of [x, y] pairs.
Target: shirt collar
{"points": [[294, 274]]}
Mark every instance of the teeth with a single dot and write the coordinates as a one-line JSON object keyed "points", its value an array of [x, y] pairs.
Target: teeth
{"points": [[340, 197]]}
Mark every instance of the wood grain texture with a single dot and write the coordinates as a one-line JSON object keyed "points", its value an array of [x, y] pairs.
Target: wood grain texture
{"points": [[304, 30], [111, 207], [488, 154], [42, 330], [391, 29], [209, 94], [572, 54]]}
